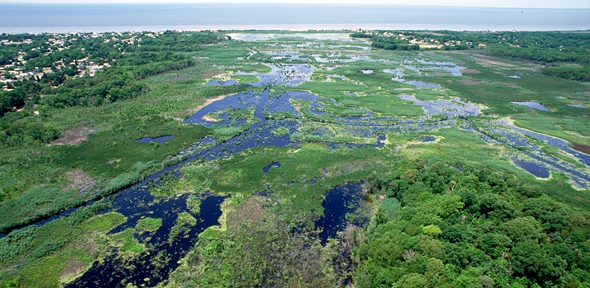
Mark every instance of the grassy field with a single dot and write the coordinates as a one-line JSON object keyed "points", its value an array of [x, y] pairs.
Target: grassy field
{"points": [[101, 142]]}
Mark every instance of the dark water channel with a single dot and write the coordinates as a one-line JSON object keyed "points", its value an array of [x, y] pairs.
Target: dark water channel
{"points": [[533, 168], [160, 140], [341, 200], [135, 202], [154, 265], [541, 163]]}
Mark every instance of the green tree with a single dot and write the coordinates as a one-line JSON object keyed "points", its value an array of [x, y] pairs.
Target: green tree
{"points": [[523, 229], [531, 261], [413, 280], [435, 273], [410, 176], [432, 230], [431, 247]]}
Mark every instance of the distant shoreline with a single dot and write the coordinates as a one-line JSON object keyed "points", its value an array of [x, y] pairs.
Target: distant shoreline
{"points": [[269, 28], [64, 18]]}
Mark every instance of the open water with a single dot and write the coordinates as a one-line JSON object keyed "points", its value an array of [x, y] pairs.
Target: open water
{"points": [[60, 18]]}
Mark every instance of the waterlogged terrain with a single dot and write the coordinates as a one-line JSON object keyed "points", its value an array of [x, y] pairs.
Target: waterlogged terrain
{"points": [[289, 155]]}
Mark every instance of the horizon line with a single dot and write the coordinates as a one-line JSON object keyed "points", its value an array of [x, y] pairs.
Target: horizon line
{"points": [[288, 2]]}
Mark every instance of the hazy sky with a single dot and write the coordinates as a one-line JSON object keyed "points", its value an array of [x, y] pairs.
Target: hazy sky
{"points": [[477, 3]]}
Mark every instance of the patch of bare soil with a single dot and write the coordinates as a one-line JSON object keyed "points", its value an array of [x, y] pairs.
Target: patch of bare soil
{"points": [[79, 180], [581, 148], [90, 244], [250, 211], [73, 267], [73, 136], [206, 75], [489, 61], [470, 71], [208, 101], [438, 73], [210, 119], [470, 82]]}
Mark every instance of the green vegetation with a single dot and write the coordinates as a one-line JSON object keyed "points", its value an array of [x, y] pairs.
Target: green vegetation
{"points": [[148, 224], [184, 219], [244, 256], [193, 203], [470, 227], [540, 47], [96, 152], [110, 152], [127, 241], [123, 63], [573, 72], [280, 131], [58, 251], [453, 212]]}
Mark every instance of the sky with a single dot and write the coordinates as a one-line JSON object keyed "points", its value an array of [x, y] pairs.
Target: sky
{"points": [[585, 4]]}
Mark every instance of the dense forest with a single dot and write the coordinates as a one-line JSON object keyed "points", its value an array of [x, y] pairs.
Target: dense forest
{"points": [[552, 49], [458, 225]]}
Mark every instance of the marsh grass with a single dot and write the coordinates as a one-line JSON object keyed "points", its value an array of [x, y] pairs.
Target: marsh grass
{"points": [[127, 242], [149, 224], [497, 92], [60, 241], [182, 224], [110, 152]]}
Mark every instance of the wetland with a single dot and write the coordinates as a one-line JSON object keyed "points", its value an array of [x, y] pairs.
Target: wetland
{"points": [[276, 158]]}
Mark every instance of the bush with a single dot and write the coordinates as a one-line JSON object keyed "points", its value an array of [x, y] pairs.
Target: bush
{"points": [[47, 248], [576, 73]]}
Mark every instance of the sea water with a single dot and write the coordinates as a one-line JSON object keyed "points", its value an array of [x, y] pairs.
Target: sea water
{"points": [[59, 18]]}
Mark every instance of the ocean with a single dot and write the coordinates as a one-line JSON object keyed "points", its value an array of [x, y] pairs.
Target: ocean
{"points": [[37, 18]]}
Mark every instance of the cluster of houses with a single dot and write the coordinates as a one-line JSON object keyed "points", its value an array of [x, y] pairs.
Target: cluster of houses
{"points": [[16, 71], [424, 43]]}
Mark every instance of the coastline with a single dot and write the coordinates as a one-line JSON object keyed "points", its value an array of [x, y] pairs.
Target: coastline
{"points": [[267, 27], [64, 18]]}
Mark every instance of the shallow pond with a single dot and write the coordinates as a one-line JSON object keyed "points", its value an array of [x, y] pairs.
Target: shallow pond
{"points": [[267, 168], [542, 162], [426, 139], [577, 106], [533, 105], [450, 108], [289, 75], [421, 84], [450, 67], [288, 55], [533, 168], [160, 140], [555, 142], [339, 201], [222, 83]]}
